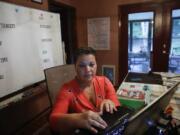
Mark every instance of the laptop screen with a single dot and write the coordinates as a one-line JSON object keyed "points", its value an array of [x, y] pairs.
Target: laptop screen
{"points": [[140, 122]]}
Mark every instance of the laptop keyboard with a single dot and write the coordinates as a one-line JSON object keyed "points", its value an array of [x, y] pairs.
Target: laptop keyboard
{"points": [[116, 122]]}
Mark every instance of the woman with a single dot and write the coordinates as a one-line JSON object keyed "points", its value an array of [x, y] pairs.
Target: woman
{"points": [[81, 101]]}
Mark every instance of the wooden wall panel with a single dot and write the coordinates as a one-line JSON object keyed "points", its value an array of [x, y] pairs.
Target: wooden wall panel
{"points": [[67, 2], [93, 8], [17, 115], [102, 8], [29, 3]]}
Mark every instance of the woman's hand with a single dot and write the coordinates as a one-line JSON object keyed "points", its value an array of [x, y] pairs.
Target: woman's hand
{"points": [[90, 120], [108, 106]]}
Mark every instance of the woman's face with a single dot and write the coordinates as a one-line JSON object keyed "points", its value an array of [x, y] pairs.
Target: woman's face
{"points": [[86, 67]]}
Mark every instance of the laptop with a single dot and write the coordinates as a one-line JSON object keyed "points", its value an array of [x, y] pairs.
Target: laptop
{"points": [[148, 78], [116, 122], [146, 119]]}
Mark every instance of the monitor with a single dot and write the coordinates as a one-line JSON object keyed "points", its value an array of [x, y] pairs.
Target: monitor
{"points": [[140, 122]]}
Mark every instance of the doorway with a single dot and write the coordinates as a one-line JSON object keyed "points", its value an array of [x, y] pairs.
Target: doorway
{"points": [[149, 37], [140, 32], [68, 28]]}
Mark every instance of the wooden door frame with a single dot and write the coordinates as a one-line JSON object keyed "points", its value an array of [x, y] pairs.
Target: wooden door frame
{"points": [[69, 33], [123, 38], [167, 27], [162, 31]]}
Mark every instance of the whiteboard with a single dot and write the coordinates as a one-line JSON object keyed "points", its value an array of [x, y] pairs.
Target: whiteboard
{"points": [[30, 41]]}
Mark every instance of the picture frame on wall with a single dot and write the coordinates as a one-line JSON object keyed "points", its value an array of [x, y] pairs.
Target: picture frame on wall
{"points": [[37, 1], [98, 31], [109, 72]]}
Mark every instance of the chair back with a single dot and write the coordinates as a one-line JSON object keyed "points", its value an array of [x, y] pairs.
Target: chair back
{"points": [[56, 77]]}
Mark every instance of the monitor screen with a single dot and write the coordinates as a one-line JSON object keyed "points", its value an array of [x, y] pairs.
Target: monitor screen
{"points": [[141, 121]]}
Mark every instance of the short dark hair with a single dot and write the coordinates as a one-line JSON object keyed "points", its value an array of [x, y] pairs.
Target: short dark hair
{"points": [[83, 51]]}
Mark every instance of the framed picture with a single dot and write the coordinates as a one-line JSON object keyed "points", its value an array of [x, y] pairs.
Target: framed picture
{"points": [[98, 30], [38, 1], [109, 72]]}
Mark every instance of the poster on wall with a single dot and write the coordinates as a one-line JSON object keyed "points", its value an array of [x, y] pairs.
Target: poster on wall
{"points": [[48, 38], [30, 41], [99, 33]]}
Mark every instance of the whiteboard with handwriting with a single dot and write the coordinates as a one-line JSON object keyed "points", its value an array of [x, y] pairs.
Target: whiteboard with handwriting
{"points": [[30, 41]]}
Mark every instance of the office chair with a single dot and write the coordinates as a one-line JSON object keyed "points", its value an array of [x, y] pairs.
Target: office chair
{"points": [[56, 77]]}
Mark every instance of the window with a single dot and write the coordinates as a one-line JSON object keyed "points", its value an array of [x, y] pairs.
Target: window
{"points": [[174, 56], [140, 29]]}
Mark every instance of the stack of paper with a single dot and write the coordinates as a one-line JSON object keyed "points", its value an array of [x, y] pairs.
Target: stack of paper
{"points": [[169, 79]]}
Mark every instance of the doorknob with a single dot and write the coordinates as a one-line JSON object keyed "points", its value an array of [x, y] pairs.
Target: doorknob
{"points": [[165, 52], [164, 46]]}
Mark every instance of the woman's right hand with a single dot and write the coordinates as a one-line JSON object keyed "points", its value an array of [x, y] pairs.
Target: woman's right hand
{"points": [[90, 120]]}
